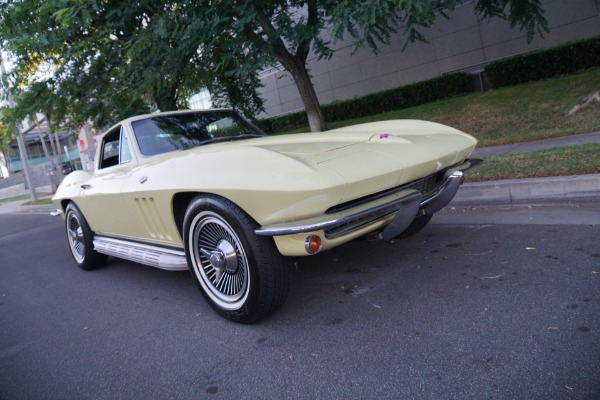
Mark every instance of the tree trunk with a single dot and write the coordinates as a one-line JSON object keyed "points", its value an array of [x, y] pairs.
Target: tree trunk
{"points": [[316, 120], [295, 64], [167, 100], [43, 141], [58, 154]]}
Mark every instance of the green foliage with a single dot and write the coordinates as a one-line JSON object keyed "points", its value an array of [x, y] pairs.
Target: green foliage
{"points": [[372, 22], [277, 29], [7, 131], [101, 59], [526, 15], [560, 60], [388, 100], [104, 61]]}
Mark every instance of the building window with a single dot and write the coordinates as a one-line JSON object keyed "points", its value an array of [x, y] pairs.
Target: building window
{"points": [[200, 101]]}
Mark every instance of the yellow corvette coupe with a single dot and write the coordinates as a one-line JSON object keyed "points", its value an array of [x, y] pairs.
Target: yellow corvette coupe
{"points": [[208, 191]]}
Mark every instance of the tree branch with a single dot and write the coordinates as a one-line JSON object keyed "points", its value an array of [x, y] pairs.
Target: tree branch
{"points": [[312, 23], [276, 43]]}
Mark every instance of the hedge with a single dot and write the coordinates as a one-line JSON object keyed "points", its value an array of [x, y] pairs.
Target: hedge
{"points": [[388, 100], [561, 60]]}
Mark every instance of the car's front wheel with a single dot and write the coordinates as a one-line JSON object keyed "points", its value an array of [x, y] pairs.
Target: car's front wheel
{"points": [[81, 240], [242, 275]]}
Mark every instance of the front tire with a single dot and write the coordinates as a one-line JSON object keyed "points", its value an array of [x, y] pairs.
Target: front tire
{"points": [[242, 276], [81, 240], [416, 226]]}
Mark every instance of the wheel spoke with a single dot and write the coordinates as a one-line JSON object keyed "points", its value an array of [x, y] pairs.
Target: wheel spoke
{"points": [[222, 265], [205, 252], [75, 236], [79, 247]]}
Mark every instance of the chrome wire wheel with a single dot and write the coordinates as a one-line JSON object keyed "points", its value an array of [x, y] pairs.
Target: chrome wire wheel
{"points": [[75, 236], [219, 261]]}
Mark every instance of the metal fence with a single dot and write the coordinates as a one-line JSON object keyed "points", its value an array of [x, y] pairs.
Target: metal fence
{"points": [[40, 176]]}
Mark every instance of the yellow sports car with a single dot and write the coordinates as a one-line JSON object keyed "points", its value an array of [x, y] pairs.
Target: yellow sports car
{"points": [[208, 191]]}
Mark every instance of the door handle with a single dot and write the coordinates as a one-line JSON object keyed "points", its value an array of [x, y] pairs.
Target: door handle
{"points": [[86, 187]]}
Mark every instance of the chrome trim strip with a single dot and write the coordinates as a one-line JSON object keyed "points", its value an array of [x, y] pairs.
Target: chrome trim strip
{"points": [[154, 256]]}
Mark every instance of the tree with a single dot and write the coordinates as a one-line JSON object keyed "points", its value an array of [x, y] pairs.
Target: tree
{"points": [[7, 134], [105, 61], [288, 30], [82, 45], [161, 51]]}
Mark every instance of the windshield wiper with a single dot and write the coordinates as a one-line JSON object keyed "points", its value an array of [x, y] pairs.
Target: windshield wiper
{"points": [[228, 138]]}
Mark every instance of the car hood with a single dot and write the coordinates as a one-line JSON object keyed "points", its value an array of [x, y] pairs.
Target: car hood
{"points": [[376, 156]]}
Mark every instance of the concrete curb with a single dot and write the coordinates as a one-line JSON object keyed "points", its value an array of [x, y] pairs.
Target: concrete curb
{"points": [[579, 189], [42, 208]]}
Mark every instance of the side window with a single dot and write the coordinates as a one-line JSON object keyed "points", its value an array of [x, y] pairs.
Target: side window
{"points": [[115, 148]]}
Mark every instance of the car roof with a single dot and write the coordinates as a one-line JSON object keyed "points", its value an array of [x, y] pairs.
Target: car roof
{"points": [[157, 114]]}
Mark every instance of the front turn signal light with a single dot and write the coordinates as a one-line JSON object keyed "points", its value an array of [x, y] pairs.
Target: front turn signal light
{"points": [[313, 244]]}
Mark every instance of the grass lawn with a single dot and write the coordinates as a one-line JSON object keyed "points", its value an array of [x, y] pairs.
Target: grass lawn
{"points": [[16, 198], [533, 111], [24, 197], [561, 161], [47, 200], [514, 114]]}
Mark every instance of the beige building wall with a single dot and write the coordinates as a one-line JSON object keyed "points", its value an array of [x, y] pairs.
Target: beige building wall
{"points": [[461, 43]]}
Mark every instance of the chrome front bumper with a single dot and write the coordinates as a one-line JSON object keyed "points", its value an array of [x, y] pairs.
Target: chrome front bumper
{"points": [[405, 204]]}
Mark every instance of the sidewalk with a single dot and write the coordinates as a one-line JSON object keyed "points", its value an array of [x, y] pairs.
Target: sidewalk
{"points": [[20, 207]]}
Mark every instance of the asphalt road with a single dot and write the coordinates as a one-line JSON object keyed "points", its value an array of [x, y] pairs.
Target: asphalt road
{"points": [[479, 311]]}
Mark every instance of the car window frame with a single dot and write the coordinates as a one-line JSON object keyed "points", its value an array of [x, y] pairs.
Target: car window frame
{"points": [[136, 143], [124, 144], [109, 136]]}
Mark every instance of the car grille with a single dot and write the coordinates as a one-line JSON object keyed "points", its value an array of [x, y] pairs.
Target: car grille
{"points": [[427, 186]]}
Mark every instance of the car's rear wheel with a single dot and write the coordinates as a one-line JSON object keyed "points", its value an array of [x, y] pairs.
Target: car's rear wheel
{"points": [[80, 238], [242, 275]]}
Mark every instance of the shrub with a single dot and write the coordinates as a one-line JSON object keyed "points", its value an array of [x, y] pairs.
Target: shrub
{"points": [[544, 64], [388, 100]]}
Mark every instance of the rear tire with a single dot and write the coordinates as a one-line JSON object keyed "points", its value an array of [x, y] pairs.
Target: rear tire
{"points": [[242, 276], [81, 240]]}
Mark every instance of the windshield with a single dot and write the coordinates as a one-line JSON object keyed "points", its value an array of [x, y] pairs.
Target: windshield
{"points": [[164, 133]]}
